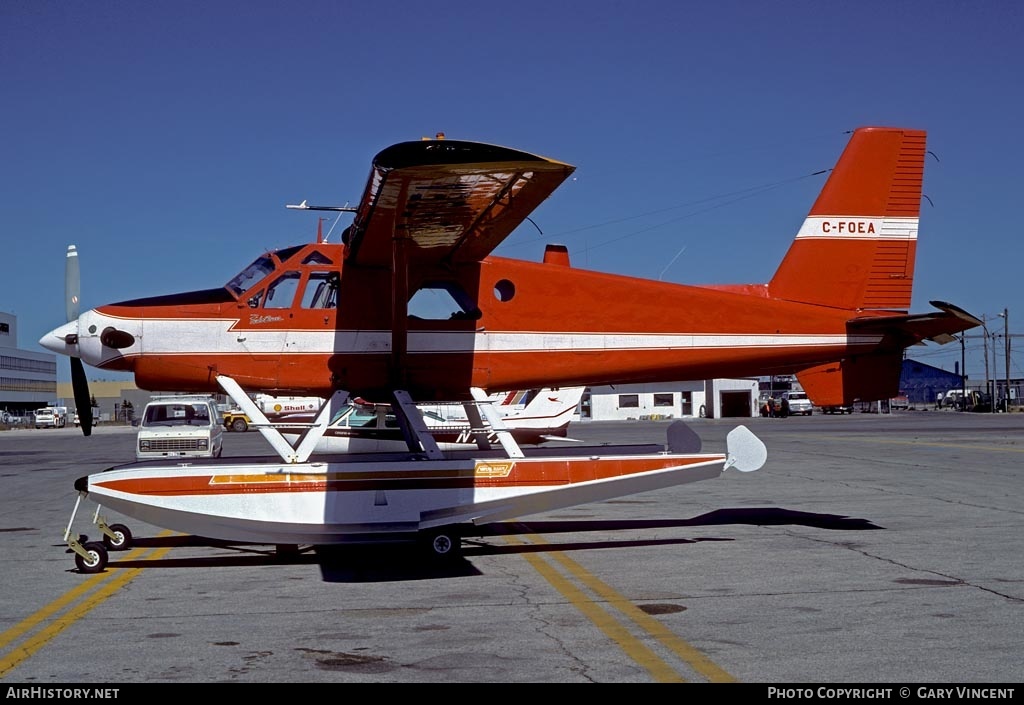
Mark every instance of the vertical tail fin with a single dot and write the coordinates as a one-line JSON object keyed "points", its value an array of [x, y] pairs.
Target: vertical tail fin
{"points": [[857, 246], [549, 407]]}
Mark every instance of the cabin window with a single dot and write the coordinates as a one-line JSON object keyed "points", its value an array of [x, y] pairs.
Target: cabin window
{"points": [[316, 257], [442, 301], [281, 293], [321, 290], [629, 401]]}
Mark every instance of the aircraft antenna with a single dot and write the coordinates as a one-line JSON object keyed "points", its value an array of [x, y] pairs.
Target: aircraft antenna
{"points": [[681, 250]]}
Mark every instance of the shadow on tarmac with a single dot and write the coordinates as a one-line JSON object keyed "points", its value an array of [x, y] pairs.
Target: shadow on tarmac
{"points": [[392, 561]]}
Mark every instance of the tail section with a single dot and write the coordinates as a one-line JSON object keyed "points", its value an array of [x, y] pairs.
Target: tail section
{"points": [[857, 246], [546, 408], [877, 375]]}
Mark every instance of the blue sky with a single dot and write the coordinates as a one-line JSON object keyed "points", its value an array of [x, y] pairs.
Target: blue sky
{"points": [[164, 139]]}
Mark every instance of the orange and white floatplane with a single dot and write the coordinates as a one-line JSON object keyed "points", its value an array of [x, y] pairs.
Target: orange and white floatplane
{"points": [[413, 304], [434, 497]]}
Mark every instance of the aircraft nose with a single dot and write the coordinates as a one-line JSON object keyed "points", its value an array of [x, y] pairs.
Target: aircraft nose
{"points": [[62, 340]]}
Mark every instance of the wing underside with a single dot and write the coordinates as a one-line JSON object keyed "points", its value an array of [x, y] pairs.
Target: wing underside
{"points": [[450, 201]]}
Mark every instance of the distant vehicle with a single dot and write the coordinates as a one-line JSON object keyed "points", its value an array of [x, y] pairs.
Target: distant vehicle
{"points": [[273, 407], [51, 417], [840, 409], [180, 426], [77, 421], [899, 402], [799, 404]]}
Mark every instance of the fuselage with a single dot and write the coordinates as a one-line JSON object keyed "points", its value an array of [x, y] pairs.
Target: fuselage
{"points": [[300, 321]]}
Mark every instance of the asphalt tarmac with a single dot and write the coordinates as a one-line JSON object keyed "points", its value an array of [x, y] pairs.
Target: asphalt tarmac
{"points": [[870, 549]]}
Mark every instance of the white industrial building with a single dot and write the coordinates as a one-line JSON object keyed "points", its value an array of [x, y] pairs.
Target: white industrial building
{"points": [[713, 398]]}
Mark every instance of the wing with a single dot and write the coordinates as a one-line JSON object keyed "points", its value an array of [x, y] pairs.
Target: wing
{"points": [[453, 201]]}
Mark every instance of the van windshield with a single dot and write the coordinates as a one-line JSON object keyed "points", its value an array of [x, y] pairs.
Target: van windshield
{"points": [[176, 415]]}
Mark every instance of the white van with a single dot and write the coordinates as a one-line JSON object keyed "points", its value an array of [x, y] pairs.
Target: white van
{"points": [[180, 426]]}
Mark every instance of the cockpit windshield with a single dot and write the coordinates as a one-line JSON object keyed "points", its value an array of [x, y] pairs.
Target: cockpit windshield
{"points": [[250, 275]]}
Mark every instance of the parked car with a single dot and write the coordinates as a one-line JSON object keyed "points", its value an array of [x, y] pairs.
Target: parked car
{"points": [[799, 403], [838, 409]]}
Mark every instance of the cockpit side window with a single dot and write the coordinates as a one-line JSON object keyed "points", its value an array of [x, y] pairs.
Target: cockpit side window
{"points": [[255, 299], [281, 293], [321, 290]]}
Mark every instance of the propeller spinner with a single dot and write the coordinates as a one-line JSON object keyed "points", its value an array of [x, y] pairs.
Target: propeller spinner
{"points": [[79, 382]]}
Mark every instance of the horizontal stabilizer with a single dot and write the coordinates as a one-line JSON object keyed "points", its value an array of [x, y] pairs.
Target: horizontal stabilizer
{"points": [[938, 327], [877, 376]]}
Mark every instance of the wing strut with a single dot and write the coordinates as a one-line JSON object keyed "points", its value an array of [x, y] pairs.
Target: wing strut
{"points": [[399, 302], [271, 431], [500, 429]]}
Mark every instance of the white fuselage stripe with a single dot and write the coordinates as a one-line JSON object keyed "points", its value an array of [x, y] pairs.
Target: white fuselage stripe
{"points": [[216, 337]]}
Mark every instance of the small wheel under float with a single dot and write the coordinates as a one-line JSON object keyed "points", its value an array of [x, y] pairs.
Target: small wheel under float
{"points": [[442, 543], [96, 559]]}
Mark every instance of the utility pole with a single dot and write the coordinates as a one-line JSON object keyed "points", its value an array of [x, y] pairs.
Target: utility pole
{"points": [[988, 385], [995, 377], [963, 372], [1005, 315]]}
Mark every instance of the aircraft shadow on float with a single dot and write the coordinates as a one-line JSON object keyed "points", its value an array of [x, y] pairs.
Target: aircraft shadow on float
{"points": [[412, 307]]}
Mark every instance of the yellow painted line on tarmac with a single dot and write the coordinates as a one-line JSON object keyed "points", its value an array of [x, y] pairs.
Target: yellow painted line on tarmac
{"points": [[680, 647], [84, 598], [633, 647]]}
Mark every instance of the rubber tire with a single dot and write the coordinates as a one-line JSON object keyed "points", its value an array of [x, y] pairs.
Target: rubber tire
{"points": [[126, 538], [443, 543], [99, 555], [703, 412], [239, 425]]}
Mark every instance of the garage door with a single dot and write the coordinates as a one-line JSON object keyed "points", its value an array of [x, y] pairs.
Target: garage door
{"points": [[736, 404]]}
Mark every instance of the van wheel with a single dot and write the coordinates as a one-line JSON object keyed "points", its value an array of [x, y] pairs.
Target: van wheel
{"points": [[703, 412]]}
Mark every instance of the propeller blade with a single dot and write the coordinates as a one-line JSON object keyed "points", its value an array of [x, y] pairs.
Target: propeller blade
{"points": [[72, 284], [79, 382], [83, 401]]}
